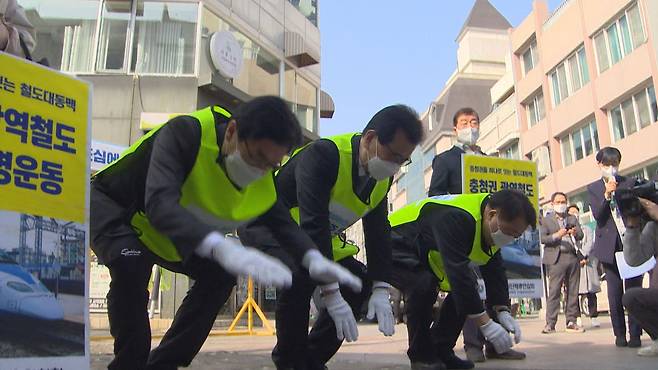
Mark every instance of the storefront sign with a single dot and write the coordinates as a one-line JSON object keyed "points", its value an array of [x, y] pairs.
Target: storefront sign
{"points": [[226, 54]]}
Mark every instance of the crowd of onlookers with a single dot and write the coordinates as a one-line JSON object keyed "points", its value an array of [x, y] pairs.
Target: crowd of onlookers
{"points": [[576, 258]]}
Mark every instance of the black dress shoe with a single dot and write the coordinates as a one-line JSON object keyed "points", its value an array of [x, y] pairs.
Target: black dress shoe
{"points": [[453, 362], [427, 366], [635, 342], [621, 342], [509, 355]]}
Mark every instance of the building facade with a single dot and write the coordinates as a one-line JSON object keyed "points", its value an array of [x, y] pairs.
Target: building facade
{"points": [[483, 46], [574, 81], [584, 79], [150, 60]]}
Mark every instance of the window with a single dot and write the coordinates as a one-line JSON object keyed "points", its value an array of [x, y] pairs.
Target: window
{"points": [[511, 152], [620, 38], [308, 8], [535, 109], [633, 114], [112, 47], [164, 38], [648, 172], [580, 143], [529, 57], [19, 287], [65, 32], [570, 75], [301, 95], [542, 157], [601, 54]]}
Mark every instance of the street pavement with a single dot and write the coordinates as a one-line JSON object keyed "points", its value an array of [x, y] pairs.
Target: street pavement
{"points": [[592, 350]]}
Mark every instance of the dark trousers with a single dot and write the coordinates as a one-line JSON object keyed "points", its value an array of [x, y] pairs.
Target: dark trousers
{"points": [[615, 294], [298, 349], [565, 271], [642, 304], [429, 339], [127, 303]]}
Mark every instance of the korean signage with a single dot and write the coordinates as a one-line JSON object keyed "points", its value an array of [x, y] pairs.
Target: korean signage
{"points": [[103, 154], [43, 140], [44, 187], [522, 257]]}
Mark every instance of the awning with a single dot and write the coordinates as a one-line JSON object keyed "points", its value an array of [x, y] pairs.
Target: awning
{"points": [[327, 107], [298, 51]]}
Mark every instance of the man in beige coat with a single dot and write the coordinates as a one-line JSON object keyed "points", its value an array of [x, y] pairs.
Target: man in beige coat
{"points": [[14, 28]]}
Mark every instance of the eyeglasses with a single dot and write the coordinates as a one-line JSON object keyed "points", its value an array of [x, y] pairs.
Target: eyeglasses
{"points": [[397, 157], [259, 160]]}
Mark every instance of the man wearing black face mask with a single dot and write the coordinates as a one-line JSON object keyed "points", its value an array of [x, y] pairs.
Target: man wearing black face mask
{"points": [[329, 185], [170, 199], [434, 241]]}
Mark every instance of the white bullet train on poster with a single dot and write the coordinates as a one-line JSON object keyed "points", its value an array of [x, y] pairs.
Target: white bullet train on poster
{"points": [[23, 294]]}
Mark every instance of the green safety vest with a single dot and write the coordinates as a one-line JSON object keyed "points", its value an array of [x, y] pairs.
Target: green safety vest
{"points": [[345, 207], [471, 203], [207, 191]]}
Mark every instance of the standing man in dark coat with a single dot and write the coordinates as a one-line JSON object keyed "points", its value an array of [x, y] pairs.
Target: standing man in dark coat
{"points": [[609, 230]]}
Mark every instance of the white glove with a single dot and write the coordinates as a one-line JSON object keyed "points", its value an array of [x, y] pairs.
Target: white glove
{"points": [[510, 324], [340, 312], [379, 305], [242, 261], [326, 271], [317, 299], [497, 335]]}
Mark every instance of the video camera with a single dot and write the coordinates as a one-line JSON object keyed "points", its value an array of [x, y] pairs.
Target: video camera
{"points": [[627, 199]]}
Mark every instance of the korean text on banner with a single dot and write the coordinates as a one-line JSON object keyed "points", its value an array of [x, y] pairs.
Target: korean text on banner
{"points": [[44, 119], [490, 174]]}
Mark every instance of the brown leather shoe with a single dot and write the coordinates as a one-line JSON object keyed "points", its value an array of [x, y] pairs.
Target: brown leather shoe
{"points": [[509, 355]]}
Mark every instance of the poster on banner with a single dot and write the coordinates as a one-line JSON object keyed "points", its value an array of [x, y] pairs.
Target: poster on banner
{"points": [[44, 187], [521, 258]]}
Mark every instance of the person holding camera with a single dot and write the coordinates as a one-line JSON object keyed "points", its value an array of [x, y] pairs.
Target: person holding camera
{"points": [[560, 234], [640, 244], [609, 230]]}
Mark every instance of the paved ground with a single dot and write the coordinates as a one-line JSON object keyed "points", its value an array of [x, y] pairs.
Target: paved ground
{"points": [[561, 351]]}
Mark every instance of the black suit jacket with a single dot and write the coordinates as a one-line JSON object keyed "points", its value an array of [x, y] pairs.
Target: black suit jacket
{"points": [[607, 240], [447, 173], [550, 226]]}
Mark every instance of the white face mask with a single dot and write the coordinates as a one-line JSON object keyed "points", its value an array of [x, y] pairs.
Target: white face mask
{"points": [[560, 208], [380, 169], [501, 239], [241, 172], [468, 135], [609, 172]]}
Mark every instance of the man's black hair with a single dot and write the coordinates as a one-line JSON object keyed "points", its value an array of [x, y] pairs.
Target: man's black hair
{"points": [[389, 120], [556, 194], [466, 111], [268, 117], [512, 204], [608, 155], [574, 206]]}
